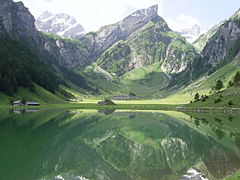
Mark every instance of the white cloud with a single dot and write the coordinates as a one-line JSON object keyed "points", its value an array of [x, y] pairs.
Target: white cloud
{"points": [[181, 21], [91, 13]]}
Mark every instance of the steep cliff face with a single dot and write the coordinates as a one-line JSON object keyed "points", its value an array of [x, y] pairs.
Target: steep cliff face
{"points": [[17, 22], [221, 45], [65, 52]]}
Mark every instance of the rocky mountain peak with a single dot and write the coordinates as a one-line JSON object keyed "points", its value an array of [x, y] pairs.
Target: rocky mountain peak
{"points": [[137, 20], [109, 35], [61, 24], [143, 15], [150, 12], [153, 10]]}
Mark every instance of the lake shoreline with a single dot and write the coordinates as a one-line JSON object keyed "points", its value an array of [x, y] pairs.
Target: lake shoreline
{"points": [[208, 109], [95, 106], [176, 107]]}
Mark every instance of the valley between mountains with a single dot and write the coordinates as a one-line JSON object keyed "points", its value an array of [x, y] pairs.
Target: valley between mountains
{"points": [[138, 60]]}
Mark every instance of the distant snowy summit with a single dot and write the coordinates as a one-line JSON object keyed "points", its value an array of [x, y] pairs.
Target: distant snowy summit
{"points": [[192, 33], [61, 24]]}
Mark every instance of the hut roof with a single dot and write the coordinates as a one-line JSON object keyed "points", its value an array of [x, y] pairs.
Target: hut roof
{"points": [[32, 103], [17, 102]]}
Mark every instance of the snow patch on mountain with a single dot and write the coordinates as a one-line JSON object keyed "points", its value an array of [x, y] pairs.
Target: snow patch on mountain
{"points": [[61, 24], [192, 33]]}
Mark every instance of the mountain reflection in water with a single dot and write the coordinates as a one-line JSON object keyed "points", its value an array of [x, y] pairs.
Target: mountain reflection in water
{"points": [[82, 144]]}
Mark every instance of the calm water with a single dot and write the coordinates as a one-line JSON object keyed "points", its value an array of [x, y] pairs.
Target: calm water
{"points": [[76, 144]]}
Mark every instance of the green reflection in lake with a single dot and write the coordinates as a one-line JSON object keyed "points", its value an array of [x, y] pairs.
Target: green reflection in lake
{"points": [[57, 144]]}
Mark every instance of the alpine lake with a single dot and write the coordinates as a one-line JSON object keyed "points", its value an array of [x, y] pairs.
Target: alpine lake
{"points": [[108, 144]]}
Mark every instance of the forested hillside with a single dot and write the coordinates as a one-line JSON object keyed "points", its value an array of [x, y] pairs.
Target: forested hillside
{"points": [[20, 67]]}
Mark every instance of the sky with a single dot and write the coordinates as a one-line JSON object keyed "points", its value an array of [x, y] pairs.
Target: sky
{"points": [[93, 14]]}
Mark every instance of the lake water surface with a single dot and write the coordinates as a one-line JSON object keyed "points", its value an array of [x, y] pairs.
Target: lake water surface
{"points": [[121, 145]]}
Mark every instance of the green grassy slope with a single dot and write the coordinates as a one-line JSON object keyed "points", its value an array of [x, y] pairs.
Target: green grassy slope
{"points": [[41, 95], [234, 177], [106, 82], [145, 81], [205, 84], [231, 94]]}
